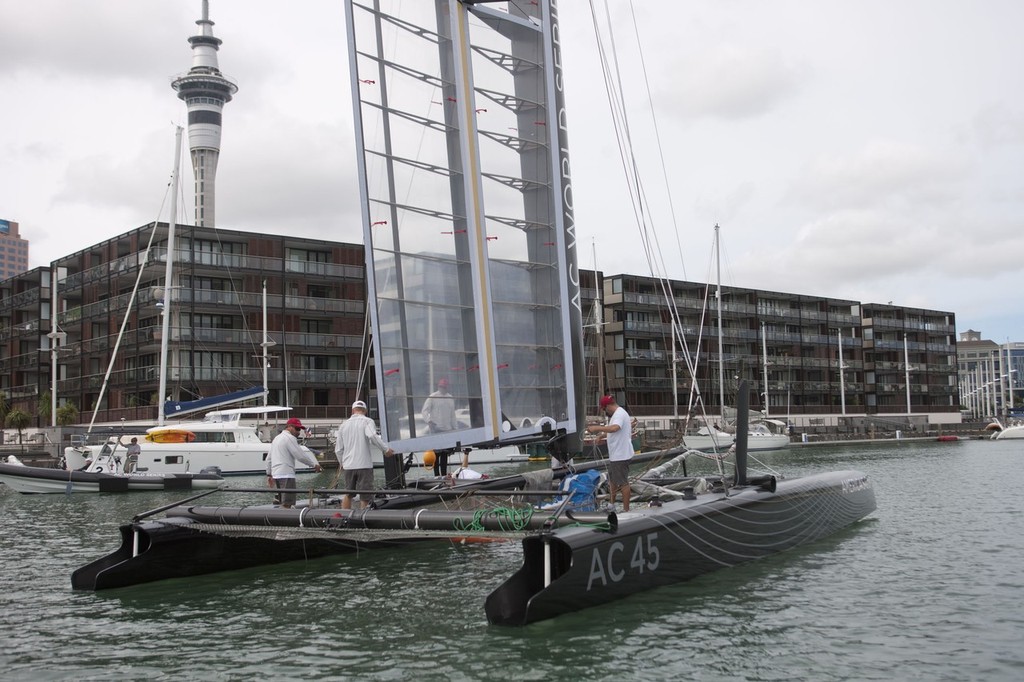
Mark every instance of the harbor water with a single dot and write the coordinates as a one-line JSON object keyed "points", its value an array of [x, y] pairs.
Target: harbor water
{"points": [[929, 587]]}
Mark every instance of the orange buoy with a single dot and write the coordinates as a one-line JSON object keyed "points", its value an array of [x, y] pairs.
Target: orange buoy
{"points": [[429, 458]]}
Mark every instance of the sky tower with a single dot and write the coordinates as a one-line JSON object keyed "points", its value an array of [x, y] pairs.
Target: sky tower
{"points": [[205, 90]]}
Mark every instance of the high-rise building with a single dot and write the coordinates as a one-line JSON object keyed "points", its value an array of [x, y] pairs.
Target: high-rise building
{"points": [[13, 250], [205, 90]]}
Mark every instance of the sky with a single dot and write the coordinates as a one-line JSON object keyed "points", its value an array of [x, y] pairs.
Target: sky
{"points": [[870, 150]]}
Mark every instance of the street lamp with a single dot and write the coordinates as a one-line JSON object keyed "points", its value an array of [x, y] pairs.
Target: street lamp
{"points": [[56, 339]]}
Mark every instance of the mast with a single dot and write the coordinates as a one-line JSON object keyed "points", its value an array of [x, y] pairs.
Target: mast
{"points": [[267, 343], [764, 355], [1008, 405], [598, 325], [721, 355], [842, 372], [166, 324], [675, 389], [906, 365], [55, 338]]}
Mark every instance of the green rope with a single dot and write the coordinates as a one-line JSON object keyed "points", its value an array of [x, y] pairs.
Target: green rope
{"points": [[509, 519]]}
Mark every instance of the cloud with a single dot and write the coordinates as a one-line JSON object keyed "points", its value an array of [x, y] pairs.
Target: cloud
{"points": [[998, 125], [731, 82], [883, 173], [96, 38]]}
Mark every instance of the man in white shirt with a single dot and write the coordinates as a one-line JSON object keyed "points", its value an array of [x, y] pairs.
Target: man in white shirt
{"points": [[620, 448], [285, 451], [439, 413], [352, 448]]}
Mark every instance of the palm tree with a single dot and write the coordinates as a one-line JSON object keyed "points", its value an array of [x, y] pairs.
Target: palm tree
{"points": [[18, 419], [67, 414], [45, 408]]}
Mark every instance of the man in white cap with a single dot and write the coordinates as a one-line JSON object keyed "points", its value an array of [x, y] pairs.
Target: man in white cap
{"points": [[285, 451], [355, 438]]}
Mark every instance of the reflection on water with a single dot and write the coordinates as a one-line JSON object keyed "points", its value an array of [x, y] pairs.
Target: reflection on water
{"points": [[929, 587]]}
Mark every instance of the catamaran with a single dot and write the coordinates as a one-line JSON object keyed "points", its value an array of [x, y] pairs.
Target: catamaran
{"points": [[470, 240]]}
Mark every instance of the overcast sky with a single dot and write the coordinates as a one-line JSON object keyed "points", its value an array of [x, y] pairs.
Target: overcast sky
{"points": [[859, 149]]}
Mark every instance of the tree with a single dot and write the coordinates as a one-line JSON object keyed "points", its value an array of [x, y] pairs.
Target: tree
{"points": [[67, 414], [45, 408], [18, 419]]}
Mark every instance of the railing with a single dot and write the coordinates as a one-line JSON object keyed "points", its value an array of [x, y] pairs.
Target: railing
{"points": [[233, 261], [24, 299]]}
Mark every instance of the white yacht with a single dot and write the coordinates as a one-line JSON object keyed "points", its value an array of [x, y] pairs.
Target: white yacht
{"points": [[232, 442]]}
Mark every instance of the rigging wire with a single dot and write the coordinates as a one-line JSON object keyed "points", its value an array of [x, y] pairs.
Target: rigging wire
{"points": [[143, 258], [639, 197]]}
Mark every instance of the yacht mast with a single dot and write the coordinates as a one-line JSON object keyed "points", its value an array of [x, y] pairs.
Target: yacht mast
{"points": [[764, 355], [166, 326], [721, 355]]}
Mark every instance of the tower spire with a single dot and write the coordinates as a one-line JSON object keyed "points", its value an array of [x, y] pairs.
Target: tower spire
{"points": [[205, 90]]}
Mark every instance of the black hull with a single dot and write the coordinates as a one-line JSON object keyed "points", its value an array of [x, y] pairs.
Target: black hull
{"points": [[198, 540], [180, 550], [676, 542], [594, 558]]}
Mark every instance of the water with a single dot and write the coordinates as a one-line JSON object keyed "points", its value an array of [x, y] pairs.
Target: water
{"points": [[928, 588]]}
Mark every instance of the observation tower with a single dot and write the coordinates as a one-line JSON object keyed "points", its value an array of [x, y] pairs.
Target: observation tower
{"points": [[205, 90]]}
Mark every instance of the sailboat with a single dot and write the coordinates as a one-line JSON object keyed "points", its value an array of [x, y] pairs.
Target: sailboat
{"points": [[499, 319], [225, 441], [713, 435]]}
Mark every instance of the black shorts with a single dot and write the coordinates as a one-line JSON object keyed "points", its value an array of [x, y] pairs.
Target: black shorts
{"points": [[288, 484], [359, 479], [618, 472]]}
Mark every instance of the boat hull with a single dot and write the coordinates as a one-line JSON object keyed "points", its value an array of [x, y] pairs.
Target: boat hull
{"points": [[1011, 433], [230, 459], [724, 441], [673, 543], [40, 480], [178, 548]]}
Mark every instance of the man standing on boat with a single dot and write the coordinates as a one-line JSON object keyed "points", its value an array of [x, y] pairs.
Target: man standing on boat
{"points": [[285, 451], [620, 448], [352, 448], [439, 413], [132, 461]]}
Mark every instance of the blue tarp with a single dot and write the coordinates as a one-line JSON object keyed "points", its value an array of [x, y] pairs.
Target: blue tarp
{"points": [[582, 490]]}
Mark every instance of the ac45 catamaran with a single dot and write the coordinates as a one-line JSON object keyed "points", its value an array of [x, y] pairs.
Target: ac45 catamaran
{"points": [[471, 262]]}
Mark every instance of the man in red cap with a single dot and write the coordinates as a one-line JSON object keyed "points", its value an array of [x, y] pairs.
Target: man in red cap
{"points": [[285, 451], [620, 448]]}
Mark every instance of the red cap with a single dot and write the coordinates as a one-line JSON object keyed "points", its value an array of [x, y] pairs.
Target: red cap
{"points": [[607, 400], [442, 382], [294, 421]]}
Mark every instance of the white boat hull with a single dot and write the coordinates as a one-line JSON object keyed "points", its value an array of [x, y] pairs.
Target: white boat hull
{"points": [[221, 440], [41, 480], [178, 458], [720, 442], [1011, 433]]}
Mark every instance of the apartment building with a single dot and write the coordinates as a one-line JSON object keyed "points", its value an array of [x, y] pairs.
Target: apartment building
{"points": [[311, 337], [809, 359]]}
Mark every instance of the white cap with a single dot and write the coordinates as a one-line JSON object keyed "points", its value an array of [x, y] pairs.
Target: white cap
{"points": [[359, 405]]}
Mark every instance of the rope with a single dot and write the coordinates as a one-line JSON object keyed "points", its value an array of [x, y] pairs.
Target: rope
{"points": [[509, 519]]}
